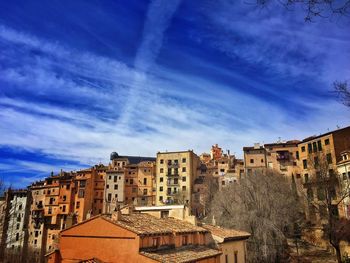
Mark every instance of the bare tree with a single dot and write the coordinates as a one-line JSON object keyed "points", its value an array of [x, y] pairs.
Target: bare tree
{"points": [[313, 8], [342, 90], [330, 194], [265, 205]]}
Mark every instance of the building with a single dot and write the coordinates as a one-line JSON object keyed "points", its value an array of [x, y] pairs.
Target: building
{"points": [[281, 157], [343, 168], [215, 152], [134, 237], [254, 158], [329, 146], [231, 242], [175, 175], [14, 240], [114, 189]]}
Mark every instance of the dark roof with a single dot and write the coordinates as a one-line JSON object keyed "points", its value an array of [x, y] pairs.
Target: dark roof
{"points": [[137, 159], [316, 137], [182, 254], [288, 143]]}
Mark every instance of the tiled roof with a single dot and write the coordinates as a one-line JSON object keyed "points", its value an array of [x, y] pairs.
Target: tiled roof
{"points": [[144, 224], [92, 260], [227, 234], [182, 254]]}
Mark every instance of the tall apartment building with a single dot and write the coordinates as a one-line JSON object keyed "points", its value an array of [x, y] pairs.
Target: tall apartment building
{"points": [[343, 167], [176, 172], [114, 189], [331, 145], [15, 232]]}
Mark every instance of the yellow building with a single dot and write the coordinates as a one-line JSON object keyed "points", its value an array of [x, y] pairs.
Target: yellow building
{"points": [[176, 172]]}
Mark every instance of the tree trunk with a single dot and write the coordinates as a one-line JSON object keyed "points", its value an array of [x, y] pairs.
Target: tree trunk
{"points": [[337, 251]]}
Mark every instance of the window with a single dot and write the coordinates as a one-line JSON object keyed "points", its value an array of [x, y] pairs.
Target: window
{"points": [[319, 144], [64, 208], [82, 183], [223, 182], [309, 148], [329, 158], [222, 170], [160, 188], [226, 258], [169, 191], [176, 171], [344, 176], [115, 187], [17, 236], [297, 155], [107, 186], [161, 179], [155, 241], [176, 161], [236, 257], [306, 177], [109, 198], [115, 178], [314, 146], [64, 198], [131, 181], [176, 180], [183, 160], [315, 161], [144, 191], [77, 205], [302, 148], [305, 164], [17, 226], [161, 198], [161, 170], [169, 162], [144, 181], [81, 193], [183, 169], [161, 161], [184, 240], [326, 141], [109, 177], [184, 188], [183, 178], [262, 160], [251, 160], [298, 176]]}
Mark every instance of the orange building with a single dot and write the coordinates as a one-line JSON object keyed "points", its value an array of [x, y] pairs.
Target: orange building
{"points": [[134, 238]]}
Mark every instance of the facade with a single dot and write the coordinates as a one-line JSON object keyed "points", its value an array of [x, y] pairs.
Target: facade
{"points": [[16, 220], [175, 175], [329, 146], [134, 238], [114, 189], [281, 156], [343, 168]]}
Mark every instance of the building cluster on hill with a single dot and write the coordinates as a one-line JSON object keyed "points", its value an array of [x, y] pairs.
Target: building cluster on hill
{"points": [[72, 206]]}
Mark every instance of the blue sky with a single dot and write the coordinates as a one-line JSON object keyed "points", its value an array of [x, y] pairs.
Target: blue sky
{"points": [[80, 79]]}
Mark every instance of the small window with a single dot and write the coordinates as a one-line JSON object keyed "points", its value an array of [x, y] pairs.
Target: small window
{"points": [[161, 170], [184, 179], [77, 205], [183, 160], [115, 178], [183, 169], [251, 160], [319, 145], [115, 187], [184, 240], [155, 242], [329, 158], [161, 179], [262, 160], [305, 164], [144, 181], [302, 148], [161, 161], [131, 181], [326, 141], [184, 188]]}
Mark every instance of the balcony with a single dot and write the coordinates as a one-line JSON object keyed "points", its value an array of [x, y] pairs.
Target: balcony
{"points": [[282, 156], [173, 165], [172, 174]]}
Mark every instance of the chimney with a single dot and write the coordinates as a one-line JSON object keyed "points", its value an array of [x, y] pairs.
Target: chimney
{"points": [[257, 145], [116, 216]]}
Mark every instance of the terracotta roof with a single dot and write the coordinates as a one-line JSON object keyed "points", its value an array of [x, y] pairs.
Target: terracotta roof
{"points": [[182, 254], [92, 260], [227, 234], [144, 224]]}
